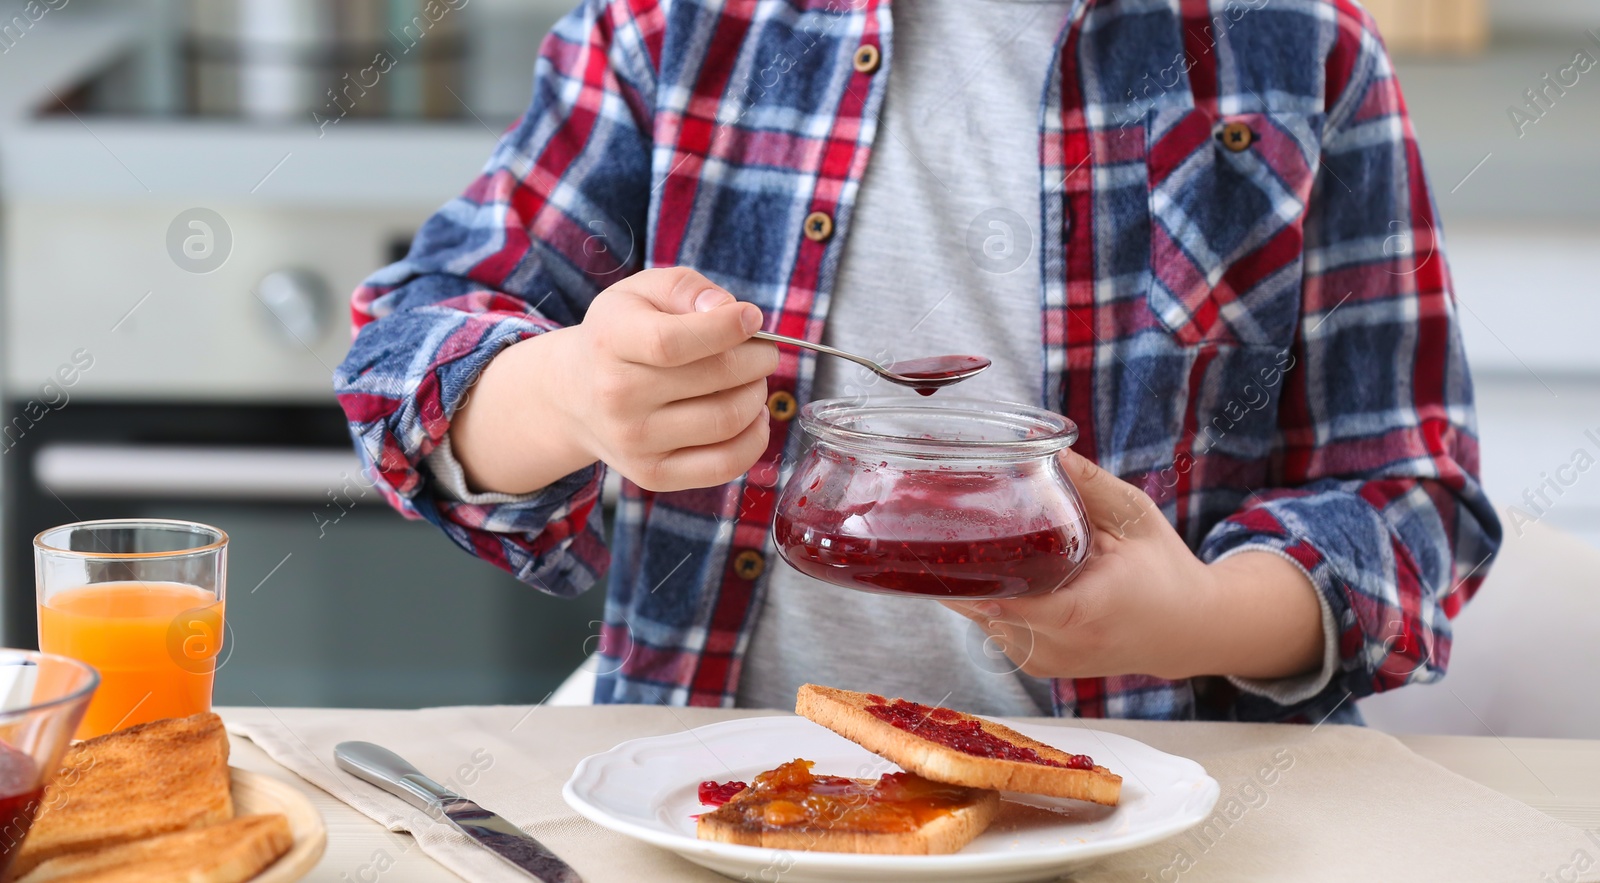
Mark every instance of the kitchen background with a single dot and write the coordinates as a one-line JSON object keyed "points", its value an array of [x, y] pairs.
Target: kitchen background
{"points": [[176, 179]]}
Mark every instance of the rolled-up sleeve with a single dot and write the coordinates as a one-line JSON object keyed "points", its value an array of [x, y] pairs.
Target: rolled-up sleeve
{"points": [[1376, 496], [557, 215]]}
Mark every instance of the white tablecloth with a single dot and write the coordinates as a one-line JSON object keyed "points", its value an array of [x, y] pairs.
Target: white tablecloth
{"points": [[1354, 804]]}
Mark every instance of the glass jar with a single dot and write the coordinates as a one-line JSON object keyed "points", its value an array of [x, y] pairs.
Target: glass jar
{"points": [[934, 498]]}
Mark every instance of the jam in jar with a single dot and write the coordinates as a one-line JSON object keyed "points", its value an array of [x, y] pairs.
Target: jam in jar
{"points": [[941, 498]]}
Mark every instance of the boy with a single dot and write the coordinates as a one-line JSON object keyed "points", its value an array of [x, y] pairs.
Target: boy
{"points": [[1200, 230]]}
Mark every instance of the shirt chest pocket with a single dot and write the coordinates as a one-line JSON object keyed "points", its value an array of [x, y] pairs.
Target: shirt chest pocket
{"points": [[1228, 202]]}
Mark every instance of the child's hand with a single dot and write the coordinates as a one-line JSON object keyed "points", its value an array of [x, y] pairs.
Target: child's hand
{"points": [[672, 392], [1144, 604], [661, 382]]}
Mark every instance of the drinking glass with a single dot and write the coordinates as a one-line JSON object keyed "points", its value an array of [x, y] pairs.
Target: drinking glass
{"points": [[42, 698], [141, 600]]}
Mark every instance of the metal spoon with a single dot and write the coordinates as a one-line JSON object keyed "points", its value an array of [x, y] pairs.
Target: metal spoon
{"points": [[923, 375]]}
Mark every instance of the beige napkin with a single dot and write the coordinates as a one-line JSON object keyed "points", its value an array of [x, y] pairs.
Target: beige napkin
{"points": [[1336, 804]]}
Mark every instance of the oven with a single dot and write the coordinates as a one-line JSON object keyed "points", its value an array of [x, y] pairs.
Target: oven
{"points": [[333, 598], [173, 306]]}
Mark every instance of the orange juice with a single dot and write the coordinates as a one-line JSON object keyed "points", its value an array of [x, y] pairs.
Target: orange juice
{"points": [[155, 644]]}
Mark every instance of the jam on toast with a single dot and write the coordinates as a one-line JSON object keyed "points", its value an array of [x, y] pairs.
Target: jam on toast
{"points": [[900, 814], [950, 746]]}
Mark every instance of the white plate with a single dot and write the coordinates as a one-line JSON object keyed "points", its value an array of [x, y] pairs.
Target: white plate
{"points": [[646, 789]]}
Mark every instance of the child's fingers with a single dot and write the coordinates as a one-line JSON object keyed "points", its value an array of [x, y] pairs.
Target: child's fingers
{"points": [[708, 419], [710, 465], [673, 316], [746, 363], [647, 336], [1113, 504], [1004, 630], [675, 290]]}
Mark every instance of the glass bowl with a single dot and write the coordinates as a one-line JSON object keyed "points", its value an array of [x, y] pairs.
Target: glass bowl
{"points": [[42, 698], [934, 498]]}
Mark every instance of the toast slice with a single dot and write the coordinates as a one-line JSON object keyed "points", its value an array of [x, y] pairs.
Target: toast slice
{"points": [[227, 852], [155, 778], [951, 746], [899, 814]]}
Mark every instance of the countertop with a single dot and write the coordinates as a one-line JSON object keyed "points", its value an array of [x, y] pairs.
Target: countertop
{"points": [[1558, 777]]}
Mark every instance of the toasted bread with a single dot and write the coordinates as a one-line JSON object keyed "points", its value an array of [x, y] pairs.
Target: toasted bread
{"points": [[227, 852], [846, 713], [901, 814], [156, 778]]}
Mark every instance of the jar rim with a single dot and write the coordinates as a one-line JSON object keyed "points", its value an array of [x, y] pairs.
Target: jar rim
{"points": [[1035, 432]]}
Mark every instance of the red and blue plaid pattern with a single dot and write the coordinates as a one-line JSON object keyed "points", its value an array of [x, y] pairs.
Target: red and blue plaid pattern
{"points": [[1262, 336]]}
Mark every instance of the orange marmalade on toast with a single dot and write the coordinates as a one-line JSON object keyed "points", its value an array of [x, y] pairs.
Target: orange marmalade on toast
{"points": [[791, 797], [961, 732]]}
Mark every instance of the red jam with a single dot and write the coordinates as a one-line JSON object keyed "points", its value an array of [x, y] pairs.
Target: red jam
{"points": [[941, 516], [718, 793], [20, 793], [999, 567], [936, 372], [964, 734], [792, 798]]}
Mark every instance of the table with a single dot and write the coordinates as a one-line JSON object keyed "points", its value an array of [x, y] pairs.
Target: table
{"points": [[1559, 777]]}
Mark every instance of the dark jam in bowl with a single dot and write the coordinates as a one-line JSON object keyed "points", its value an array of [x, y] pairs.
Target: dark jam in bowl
{"points": [[963, 734], [20, 792]]}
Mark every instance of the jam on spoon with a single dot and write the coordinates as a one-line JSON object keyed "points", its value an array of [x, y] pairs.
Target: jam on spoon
{"points": [[930, 374], [922, 375]]}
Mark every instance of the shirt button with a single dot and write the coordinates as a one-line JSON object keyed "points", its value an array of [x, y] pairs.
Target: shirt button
{"points": [[781, 405], [819, 226], [867, 58], [749, 564], [1237, 137]]}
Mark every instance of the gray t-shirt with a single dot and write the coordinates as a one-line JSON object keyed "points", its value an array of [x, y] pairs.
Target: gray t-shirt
{"points": [[942, 257]]}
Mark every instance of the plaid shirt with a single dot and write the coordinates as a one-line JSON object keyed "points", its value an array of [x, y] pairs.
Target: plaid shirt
{"points": [[1245, 305]]}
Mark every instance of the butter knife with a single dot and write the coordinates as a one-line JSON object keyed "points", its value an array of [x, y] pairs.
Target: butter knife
{"points": [[392, 773]]}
